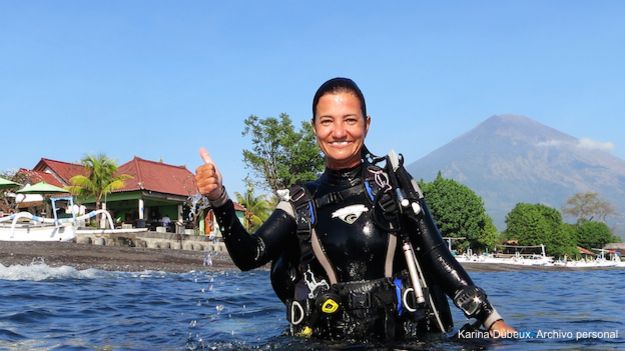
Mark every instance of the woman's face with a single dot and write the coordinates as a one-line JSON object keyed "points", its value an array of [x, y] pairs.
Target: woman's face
{"points": [[340, 128]]}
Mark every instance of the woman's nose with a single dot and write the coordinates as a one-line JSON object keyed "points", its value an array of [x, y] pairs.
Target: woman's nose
{"points": [[339, 130]]}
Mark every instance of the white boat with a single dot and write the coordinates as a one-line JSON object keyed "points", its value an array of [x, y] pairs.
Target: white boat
{"points": [[518, 258], [599, 260], [591, 263], [24, 226]]}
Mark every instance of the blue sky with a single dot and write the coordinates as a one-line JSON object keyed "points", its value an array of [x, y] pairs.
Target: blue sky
{"points": [[159, 79]]}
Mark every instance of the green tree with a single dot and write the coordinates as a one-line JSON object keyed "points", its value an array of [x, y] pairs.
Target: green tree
{"points": [[570, 231], [257, 208], [8, 202], [280, 155], [535, 224], [490, 236], [588, 206], [591, 234], [459, 212], [99, 181]]}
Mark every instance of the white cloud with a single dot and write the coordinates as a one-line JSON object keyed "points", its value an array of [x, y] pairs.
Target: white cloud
{"points": [[589, 144]]}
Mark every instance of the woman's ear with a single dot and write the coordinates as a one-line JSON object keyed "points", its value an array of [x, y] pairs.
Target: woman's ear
{"points": [[367, 124]]}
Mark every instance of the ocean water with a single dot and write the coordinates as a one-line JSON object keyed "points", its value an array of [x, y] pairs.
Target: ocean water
{"points": [[45, 308]]}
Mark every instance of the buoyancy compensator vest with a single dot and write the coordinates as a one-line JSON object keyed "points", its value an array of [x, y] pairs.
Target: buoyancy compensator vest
{"points": [[327, 293]]}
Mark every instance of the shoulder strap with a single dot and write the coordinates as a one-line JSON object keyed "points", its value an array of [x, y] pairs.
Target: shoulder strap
{"points": [[376, 184], [305, 211], [338, 196], [306, 217]]}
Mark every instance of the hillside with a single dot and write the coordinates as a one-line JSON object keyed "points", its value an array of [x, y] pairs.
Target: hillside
{"points": [[509, 159]]}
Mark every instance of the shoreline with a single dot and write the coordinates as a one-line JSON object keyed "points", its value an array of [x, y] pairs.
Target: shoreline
{"points": [[137, 259], [110, 258]]}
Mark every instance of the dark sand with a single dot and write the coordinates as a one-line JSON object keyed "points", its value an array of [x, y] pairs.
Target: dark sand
{"points": [[110, 258], [135, 259]]}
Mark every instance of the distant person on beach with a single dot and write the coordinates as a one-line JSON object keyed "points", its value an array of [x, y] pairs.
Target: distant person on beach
{"points": [[339, 263]]}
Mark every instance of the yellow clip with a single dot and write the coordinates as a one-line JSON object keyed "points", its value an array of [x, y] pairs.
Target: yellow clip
{"points": [[329, 306], [306, 332]]}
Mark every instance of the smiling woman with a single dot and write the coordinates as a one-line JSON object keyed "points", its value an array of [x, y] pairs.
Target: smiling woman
{"points": [[342, 254], [340, 124]]}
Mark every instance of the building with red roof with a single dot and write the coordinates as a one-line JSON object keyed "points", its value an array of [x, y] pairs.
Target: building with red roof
{"points": [[61, 171], [39, 176], [156, 194]]}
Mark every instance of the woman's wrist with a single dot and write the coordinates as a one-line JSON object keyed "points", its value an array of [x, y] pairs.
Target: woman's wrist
{"points": [[221, 199]]}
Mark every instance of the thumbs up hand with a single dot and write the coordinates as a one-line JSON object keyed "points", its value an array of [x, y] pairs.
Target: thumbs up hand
{"points": [[208, 178]]}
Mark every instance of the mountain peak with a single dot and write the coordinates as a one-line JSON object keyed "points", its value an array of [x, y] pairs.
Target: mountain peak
{"points": [[509, 118], [511, 158], [517, 128]]}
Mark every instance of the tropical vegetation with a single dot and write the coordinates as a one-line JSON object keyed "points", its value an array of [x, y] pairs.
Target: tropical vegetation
{"points": [[592, 234], [535, 224], [280, 154], [8, 203], [99, 179], [588, 206], [257, 207], [459, 212]]}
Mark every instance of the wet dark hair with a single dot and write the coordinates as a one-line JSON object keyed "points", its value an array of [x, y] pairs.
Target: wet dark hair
{"points": [[339, 85]]}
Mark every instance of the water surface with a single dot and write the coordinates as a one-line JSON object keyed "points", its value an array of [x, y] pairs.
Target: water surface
{"points": [[44, 308]]}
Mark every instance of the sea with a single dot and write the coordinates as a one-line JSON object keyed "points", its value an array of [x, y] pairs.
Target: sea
{"points": [[61, 308]]}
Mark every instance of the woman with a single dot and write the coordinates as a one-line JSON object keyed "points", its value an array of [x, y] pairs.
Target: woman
{"points": [[333, 244]]}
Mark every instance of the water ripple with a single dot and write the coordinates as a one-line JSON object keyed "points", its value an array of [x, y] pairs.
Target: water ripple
{"points": [[47, 308]]}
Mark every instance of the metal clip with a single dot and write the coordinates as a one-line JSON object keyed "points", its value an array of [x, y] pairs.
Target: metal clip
{"points": [[313, 284]]}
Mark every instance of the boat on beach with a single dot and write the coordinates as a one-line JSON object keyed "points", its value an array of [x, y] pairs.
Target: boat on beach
{"points": [[600, 260], [522, 256], [24, 226]]}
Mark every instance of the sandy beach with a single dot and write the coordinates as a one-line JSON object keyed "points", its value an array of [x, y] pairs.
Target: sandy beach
{"points": [[137, 259], [110, 258]]}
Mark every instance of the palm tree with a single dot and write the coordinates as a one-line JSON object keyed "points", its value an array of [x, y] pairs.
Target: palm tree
{"points": [[257, 208], [99, 181]]}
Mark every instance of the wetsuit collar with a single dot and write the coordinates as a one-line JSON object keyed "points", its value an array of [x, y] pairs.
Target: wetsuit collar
{"points": [[346, 177]]}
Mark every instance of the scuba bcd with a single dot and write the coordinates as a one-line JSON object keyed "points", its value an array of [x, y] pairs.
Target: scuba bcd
{"points": [[402, 215], [395, 209], [409, 201]]}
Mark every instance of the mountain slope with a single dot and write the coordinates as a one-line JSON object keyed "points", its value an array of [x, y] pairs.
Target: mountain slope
{"points": [[509, 159]]}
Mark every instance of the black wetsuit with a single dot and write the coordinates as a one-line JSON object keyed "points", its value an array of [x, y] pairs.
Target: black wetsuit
{"points": [[357, 248]]}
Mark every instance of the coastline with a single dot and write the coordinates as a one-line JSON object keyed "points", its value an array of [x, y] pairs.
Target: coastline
{"points": [[137, 259], [109, 258]]}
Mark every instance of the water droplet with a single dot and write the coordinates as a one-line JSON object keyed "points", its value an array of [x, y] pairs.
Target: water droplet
{"points": [[208, 260], [193, 323], [197, 203], [219, 308]]}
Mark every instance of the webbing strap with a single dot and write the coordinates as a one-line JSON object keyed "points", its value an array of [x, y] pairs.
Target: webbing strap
{"points": [[390, 255], [338, 196], [305, 219], [322, 258]]}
